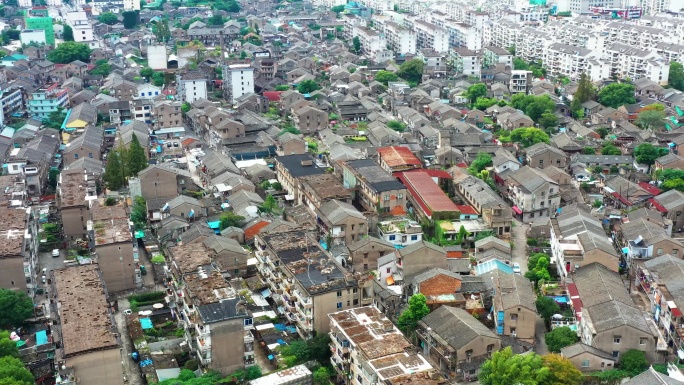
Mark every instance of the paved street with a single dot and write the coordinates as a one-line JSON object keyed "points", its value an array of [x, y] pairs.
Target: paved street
{"points": [[130, 367], [520, 244]]}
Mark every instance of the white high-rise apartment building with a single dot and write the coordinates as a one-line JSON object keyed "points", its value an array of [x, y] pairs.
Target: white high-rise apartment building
{"points": [[241, 80]]}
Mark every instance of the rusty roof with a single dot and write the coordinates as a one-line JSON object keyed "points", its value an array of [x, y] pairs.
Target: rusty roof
{"points": [[395, 156], [83, 309], [109, 231], [73, 189], [325, 187], [12, 231], [101, 212], [371, 332], [426, 192], [188, 258], [208, 288]]}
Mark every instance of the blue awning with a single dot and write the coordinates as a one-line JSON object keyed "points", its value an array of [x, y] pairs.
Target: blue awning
{"points": [[266, 293], [625, 250]]}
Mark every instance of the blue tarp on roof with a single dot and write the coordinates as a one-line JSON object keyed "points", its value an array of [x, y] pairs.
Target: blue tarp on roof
{"points": [[494, 264], [41, 338], [214, 225], [68, 114]]}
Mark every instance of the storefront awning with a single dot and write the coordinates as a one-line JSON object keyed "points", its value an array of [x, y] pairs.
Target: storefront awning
{"points": [[517, 210]]}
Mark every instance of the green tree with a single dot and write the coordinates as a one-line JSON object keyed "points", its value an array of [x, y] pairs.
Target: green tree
{"points": [[13, 372], [216, 19], [15, 307], [253, 372], [670, 174], [411, 71], [8, 348], [186, 107], [53, 176], [136, 160], [417, 309], [589, 151], [282, 87], [270, 206], [548, 120], [161, 30], [356, 43], [610, 149], [546, 307], [158, 79], [68, 33], [130, 19], [482, 161], [602, 131], [562, 371], [484, 103], [646, 153], [396, 125], [337, 8], [633, 362], [307, 87], [673, 184], [520, 64], [230, 219], [69, 51], [139, 213], [533, 106], [102, 68], [55, 119], [147, 72], [676, 78], [321, 376], [506, 368], [289, 128], [559, 338], [585, 92], [651, 119], [108, 18], [617, 94], [528, 136], [476, 91], [385, 77], [114, 174]]}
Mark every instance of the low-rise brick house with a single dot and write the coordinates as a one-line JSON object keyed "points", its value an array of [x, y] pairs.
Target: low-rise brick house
{"points": [[163, 181], [167, 114], [377, 190], [364, 253], [542, 155], [87, 145], [309, 119], [290, 144], [316, 190], [341, 222]]}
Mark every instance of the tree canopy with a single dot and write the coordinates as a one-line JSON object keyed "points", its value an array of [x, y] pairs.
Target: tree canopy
{"points": [[69, 51], [396, 125], [108, 18], [161, 30], [533, 106], [230, 219], [337, 8], [646, 153], [617, 94], [585, 92], [610, 149], [417, 309], [55, 119], [484, 103], [7, 346], [130, 19], [476, 91], [135, 159], [15, 307], [412, 71], [548, 120], [651, 119], [562, 371], [559, 338], [385, 77], [356, 43], [114, 177], [68, 33], [538, 268], [676, 78], [482, 161], [528, 136], [307, 87], [633, 362], [13, 372], [506, 368]]}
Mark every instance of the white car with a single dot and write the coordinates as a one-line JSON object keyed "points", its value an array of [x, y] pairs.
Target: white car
{"points": [[516, 268], [55, 253]]}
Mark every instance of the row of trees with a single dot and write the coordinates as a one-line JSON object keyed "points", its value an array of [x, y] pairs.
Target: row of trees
{"points": [[124, 163], [15, 307], [506, 368]]}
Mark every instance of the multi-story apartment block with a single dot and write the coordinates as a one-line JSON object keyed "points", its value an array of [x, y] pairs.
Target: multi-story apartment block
{"points": [[428, 35], [46, 100], [494, 55], [504, 33], [74, 190], [584, 6], [372, 42], [375, 189], [309, 282], [636, 63], [567, 60], [533, 194], [399, 39], [368, 349], [464, 61], [214, 315], [83, 30]]}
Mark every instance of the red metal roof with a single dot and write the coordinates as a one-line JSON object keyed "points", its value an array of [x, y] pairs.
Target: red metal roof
{"points": [[656, 205], [653, 190], [398, 156], [576, 300], [676, 312], [466, 209], [442, 174], [426, 192], [272, 96], [621, 198], [255, 229]]}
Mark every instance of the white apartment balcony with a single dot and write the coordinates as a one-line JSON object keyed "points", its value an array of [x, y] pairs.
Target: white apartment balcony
{"points": [[303, 300]]}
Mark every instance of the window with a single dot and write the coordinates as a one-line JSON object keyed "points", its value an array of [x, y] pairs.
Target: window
{"points": [[400, 196], [643, 340], [585, 363], [550, 191], [365, 266], [75, 156], [513, 332], [356, 302], [392, 237], [339, 293], [675, 251], [414, 237], [490, 348], [249, 321], [616, 339], [660, 251], [616, 354], [355, 290], [514, 317], [388, 270], [339, 305], [541, 162], [531, 215], [90, 155]]}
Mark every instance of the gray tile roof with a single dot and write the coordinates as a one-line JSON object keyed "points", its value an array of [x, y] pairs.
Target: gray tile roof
{"points": [[613, 314], [540, 148], [597, 284], [91, 138], [579, 348], [220, 243], [530, 179], [431, 273], [671, 199], [651, 377], [455, 326], [668, 270], [337, 211]]}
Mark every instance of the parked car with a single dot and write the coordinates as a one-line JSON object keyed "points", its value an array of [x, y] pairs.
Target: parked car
{"points": [[55, 253], [516, 268], [143, 270]]}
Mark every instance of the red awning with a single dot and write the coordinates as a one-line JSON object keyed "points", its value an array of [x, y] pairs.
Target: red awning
{"points": [[676, 312], [517, 210]]}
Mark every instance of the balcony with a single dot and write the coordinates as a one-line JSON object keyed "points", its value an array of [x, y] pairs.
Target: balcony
{"points": [[303, 300]]}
